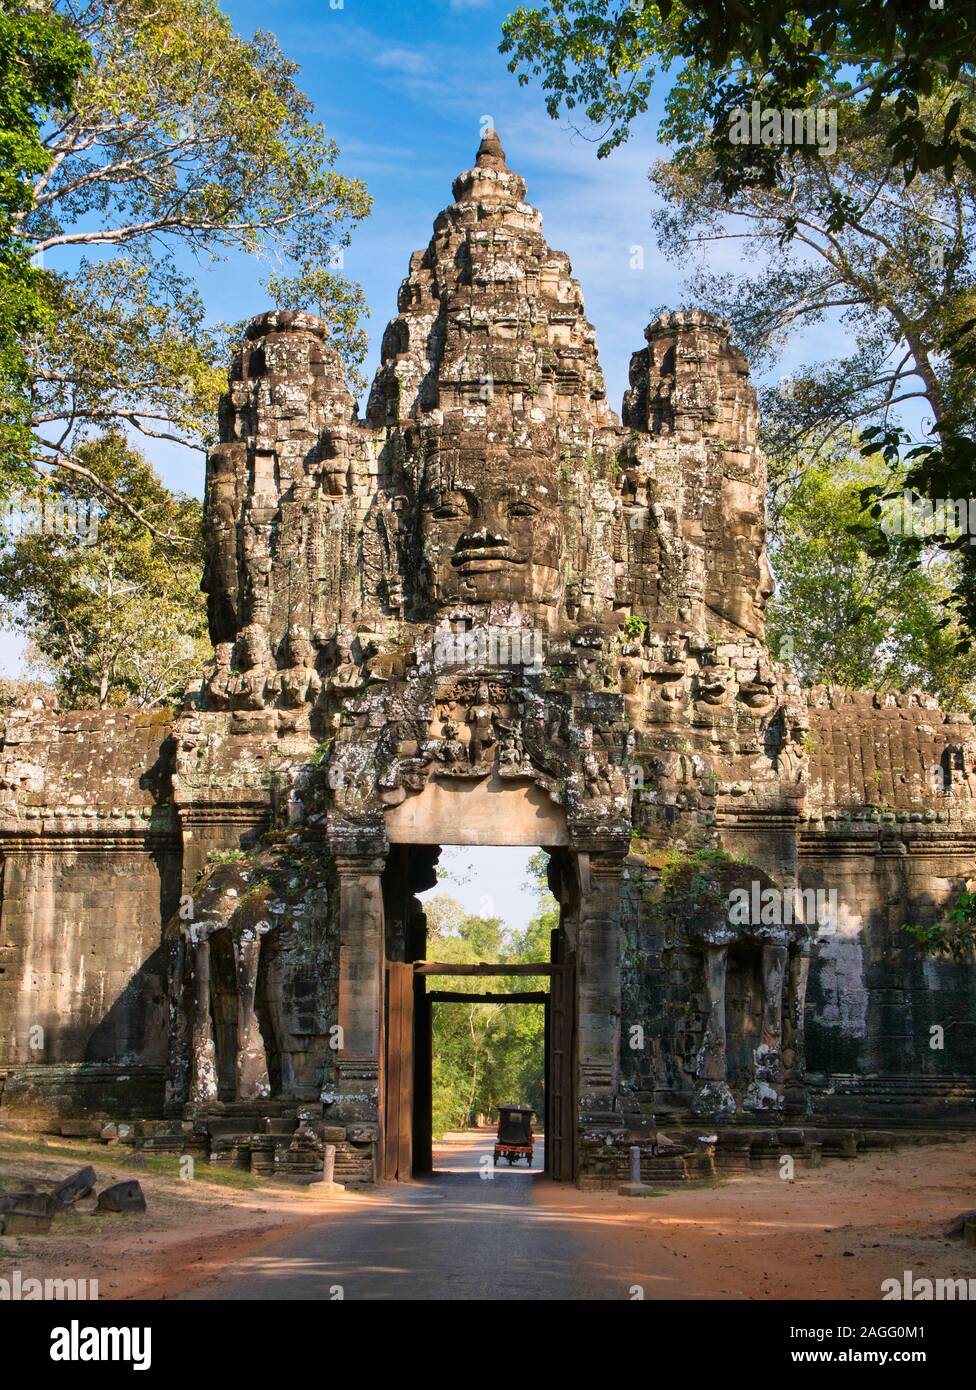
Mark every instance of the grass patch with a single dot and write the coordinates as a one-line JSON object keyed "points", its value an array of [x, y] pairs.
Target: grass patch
{"points": [[51, 1148]]}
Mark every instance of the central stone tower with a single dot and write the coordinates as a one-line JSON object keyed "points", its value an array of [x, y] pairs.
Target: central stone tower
{"points": [[489, 613]]}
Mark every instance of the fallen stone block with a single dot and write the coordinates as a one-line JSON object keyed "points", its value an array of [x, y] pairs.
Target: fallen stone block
{"points": [[40, 1203], [25, 1223], [957, 1226], [78, 1185], [122, 1197]]}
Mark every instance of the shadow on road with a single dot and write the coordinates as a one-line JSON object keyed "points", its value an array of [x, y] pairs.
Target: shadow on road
{"points": [[467, 1231]]}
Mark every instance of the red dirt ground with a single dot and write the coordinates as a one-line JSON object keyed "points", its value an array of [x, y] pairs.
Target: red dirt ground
{"points": [[836, 1232]]}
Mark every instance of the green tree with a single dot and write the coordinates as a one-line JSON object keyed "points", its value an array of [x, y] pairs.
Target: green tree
{"points": [[849, 614], [604, 60], [40, 61], [899, 275], [880, 229], [182, 140], [113, 617]]}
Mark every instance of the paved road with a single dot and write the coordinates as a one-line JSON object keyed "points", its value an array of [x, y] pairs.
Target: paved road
{"points": [[457, 1235]]}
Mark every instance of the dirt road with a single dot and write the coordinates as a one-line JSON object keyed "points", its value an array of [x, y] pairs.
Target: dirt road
{"points": [[475, 1232], [836, 1232]]}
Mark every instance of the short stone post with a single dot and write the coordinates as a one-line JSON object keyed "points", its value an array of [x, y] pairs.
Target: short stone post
{"points": [[326, 1184], [636, 1188]]}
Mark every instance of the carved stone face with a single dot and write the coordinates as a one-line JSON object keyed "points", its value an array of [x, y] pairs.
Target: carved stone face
{"points": [[252, 648], [492, 533], [300, 651]]}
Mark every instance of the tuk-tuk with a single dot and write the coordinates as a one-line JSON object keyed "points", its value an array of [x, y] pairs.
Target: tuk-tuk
{"points": [[514, 1139]]}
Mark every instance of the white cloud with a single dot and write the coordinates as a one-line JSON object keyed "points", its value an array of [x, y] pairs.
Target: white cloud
{"points": [[410, 61]]}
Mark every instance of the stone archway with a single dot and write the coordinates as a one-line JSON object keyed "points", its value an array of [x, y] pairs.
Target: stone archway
{"points": [[585, 1009]]}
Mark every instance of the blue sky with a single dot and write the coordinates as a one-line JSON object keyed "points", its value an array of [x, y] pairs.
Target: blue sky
{"points": [[488, 881], [404, 88]]}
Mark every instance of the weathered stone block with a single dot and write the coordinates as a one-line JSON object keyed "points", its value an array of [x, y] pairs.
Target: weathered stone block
{"points": [[78, 1185], [25, 1223], [122, 1197]]}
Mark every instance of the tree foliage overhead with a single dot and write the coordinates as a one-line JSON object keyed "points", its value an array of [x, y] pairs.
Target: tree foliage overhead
{"points": [[181, 141], [40, 61], [180, 128], [898, 276], [850, 613], [604, 60], [114, 618]]}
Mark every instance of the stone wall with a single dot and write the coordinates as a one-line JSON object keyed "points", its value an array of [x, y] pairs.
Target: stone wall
{"points": [[91, 868], [891, 826], [888, 1032]]}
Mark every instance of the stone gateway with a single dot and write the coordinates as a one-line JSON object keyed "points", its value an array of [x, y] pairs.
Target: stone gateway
{"points": [[488, 613]]}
